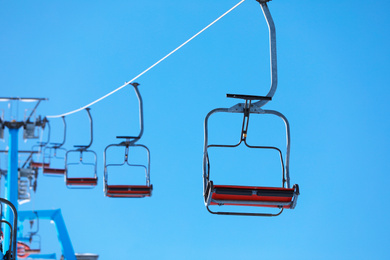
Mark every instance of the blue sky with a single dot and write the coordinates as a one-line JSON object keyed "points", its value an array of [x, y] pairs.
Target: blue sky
{"points": [[332, 61]]}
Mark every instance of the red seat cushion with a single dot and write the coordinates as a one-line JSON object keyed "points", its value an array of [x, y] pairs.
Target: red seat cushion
{"points": [[131, 191], [241, 195], [81, 181], [39, 164], [53, 171]]}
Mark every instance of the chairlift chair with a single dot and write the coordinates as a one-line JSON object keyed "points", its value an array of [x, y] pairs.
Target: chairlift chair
{"points": [[82, 182], [39, 147], [125, 190], [50, 152], [237, 195]]}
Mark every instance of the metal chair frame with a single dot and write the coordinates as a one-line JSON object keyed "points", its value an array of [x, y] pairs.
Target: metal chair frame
{"points": [[130, 141], [50, 152], [82, 149]]}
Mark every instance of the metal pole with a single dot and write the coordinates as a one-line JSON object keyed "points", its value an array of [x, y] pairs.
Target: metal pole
{"points": [[11, 188]]}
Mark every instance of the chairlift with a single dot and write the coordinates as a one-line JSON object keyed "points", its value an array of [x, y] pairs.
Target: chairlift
{"points": [[51, 152], [237, 195], [82, 182], [125, 190]]}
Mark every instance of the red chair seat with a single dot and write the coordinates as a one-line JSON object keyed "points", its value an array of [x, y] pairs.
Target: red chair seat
{"points": [[53, 171], [81, 181], [251, 196], [39, 164], [129, 191]]}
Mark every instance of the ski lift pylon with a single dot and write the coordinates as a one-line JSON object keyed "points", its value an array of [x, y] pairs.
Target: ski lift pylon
{"points": [[235, 195], [82, 182], [129, 191]]}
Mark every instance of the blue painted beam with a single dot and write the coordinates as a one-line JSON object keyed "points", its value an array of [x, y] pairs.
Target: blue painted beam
{"points": [[62, 232]]}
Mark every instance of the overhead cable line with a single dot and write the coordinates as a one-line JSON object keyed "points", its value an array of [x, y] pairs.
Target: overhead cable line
{"points": [[155, 64]]}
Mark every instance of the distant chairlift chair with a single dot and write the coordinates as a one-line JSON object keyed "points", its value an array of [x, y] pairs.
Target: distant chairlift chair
{"points": [[50, 152], [82, 182], [129, 191], [234, 195], [38, 148]]}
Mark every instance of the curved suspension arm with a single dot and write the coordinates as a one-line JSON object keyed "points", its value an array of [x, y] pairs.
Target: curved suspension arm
{"points": [[85, 147], [91, 123], [141, 111], [59, 145], [272, 41], [64, 139]]}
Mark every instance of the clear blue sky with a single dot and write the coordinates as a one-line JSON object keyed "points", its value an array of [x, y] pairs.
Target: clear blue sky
{"points": [[333, 58]]}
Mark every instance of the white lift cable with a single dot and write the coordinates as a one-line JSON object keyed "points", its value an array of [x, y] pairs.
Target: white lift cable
{"points": [[155, 64]]}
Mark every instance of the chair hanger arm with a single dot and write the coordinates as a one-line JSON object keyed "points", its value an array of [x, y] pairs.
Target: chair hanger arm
{"points": [[273, 58], [43, 144], [141, 111], [91, 124], [64, 139]]}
